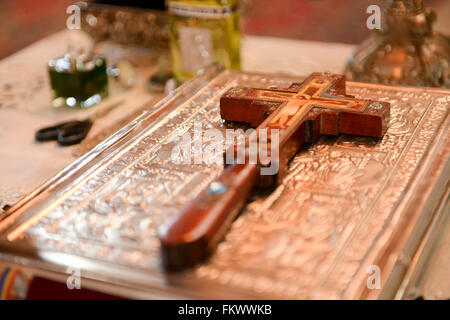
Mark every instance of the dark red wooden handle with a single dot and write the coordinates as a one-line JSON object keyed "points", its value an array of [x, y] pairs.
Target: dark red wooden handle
{"points": [[197, 229]]}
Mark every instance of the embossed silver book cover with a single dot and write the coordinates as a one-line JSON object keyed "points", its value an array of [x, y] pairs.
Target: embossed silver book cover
{"points": [[347, 204]]}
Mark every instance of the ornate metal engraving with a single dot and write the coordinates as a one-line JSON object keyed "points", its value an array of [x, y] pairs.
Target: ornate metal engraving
{"points": [[126, 25], [311, 238]]}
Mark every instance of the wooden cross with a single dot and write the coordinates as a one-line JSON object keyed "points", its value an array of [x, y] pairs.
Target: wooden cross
{"points": [[301, 113]]}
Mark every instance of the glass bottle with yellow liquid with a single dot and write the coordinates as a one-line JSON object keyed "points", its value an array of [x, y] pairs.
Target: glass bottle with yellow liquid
{"points": [[203, 32]]}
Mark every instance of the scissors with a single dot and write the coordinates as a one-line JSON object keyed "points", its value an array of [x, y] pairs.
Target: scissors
{"points": [[71, 132]]}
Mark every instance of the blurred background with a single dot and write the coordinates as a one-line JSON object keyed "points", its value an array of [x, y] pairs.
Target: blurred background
{"points": [[23, 22]]}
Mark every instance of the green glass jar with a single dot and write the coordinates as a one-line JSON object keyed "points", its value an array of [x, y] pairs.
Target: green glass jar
{"points": [[78, 80], [203, 32]]}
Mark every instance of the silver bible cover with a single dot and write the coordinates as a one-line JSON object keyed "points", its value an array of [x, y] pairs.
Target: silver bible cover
{"points": [[349, 206]]}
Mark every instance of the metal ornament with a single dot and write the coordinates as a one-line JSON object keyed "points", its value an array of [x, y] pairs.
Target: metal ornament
{"points": [[406, 51]]}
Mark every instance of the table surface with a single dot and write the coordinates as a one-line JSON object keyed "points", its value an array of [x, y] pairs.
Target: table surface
{"points": [[25, 107]]}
